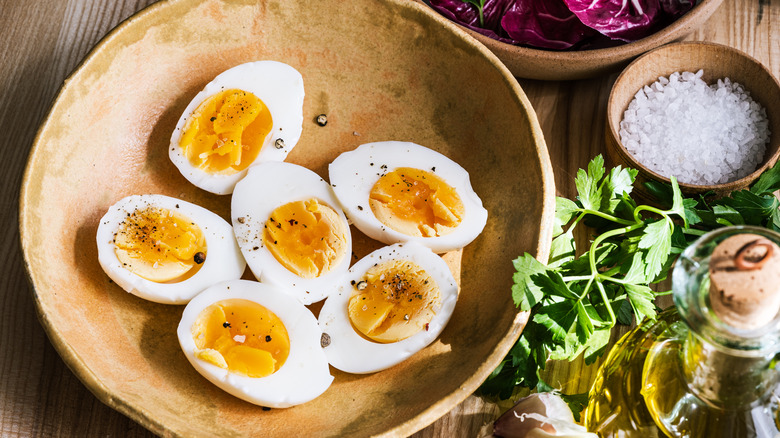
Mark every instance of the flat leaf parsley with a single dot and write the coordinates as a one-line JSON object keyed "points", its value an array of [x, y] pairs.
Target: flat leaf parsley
{"points": [[578, 297]]}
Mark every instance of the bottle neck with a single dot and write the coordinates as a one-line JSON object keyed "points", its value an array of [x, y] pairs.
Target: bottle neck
{"points": [[727, 378], [724, 365]]}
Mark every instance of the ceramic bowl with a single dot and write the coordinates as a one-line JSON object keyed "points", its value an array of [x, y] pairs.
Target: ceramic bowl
{"points": [[550, 65], [379, 70], [717, 61]]}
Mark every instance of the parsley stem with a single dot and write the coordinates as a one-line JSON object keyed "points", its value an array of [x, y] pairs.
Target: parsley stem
{"points": [[611, 272], [576, 221], [592, 259], [641, 208], [614, 280], [608, 217], [602, 237], [587, 288], [603, 292], [577, 278]]}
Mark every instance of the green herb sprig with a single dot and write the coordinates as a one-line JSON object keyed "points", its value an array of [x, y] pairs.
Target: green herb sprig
{"points": [[480, 5], [578, 297]]}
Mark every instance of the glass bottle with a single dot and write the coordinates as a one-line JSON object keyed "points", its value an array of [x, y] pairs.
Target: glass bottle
{"points": [[696, 371]]}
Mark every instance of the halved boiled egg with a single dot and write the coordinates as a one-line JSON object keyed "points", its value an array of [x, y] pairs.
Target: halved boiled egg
{"points": [[291, 230], [250, 113], [392, 303], [397, 191], [166, 250], [255, 342]]}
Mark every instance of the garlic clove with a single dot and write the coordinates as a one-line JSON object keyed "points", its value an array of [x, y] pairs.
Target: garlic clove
{"points": [[540, 415]]}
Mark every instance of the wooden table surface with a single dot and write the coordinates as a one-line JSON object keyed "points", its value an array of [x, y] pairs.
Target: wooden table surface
{"points": [[44, 40]]}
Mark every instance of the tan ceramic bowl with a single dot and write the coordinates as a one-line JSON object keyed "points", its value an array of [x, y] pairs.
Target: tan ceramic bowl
{"points": [[550, 65], [380, 70], [718, 61]]}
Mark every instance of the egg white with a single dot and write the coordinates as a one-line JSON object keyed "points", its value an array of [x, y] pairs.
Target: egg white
{"points": [[266, 187], [353, 174], [279, 86], [223, 258], [349, 351], [304, 375]]}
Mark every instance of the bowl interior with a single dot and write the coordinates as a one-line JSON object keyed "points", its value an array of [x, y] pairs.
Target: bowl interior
{"points": [[380, 70], [549, 65], [717, 61]]}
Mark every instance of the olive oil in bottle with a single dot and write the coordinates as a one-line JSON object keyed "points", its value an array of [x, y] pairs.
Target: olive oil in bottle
{"points": [[706, 367]]}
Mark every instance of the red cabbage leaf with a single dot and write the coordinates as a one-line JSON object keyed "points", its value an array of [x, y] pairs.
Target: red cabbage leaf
{"points": [[546, 24], [676, 8], [626, 20], [467, 15]]}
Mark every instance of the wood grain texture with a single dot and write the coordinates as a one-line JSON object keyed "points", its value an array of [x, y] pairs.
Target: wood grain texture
{"points": [[44, 40]]}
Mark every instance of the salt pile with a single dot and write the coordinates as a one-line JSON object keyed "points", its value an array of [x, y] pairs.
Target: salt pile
{"points": [[679, 126]]}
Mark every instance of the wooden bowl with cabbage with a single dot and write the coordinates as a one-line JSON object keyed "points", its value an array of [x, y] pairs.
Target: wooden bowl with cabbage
{"points": [[574, 39]]}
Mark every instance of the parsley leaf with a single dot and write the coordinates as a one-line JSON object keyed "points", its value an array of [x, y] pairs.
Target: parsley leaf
{"points": [[558, 318], [678, 205], [768, 182], [562, 250], [752, 208], [641, 299], [656, 240], [525, 293], [565, 210], [620, 181], [596, 345], [588, 184], [625, 315]]}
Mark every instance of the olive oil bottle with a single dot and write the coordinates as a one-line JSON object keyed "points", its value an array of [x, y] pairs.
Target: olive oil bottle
{"points": [[706, 367]]}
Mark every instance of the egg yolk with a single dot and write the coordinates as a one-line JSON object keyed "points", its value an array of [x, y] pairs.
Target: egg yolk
{"points": [[160, 245], [393, 301], [241, 336], [306, 237], [416, 202], [225, 133]]}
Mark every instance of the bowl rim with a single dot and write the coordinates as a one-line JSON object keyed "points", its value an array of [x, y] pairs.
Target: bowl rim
{"points": [[622, 51], [699, 188], [147, 419]]}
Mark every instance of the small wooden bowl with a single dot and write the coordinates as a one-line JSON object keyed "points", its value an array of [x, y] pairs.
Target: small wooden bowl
{"points": [[551, 65], [717, 61]]}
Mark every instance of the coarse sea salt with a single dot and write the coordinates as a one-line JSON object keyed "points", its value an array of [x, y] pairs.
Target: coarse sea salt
{"points": [[701, 134]]}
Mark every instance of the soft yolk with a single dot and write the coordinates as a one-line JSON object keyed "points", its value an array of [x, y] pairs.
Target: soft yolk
{"points": [[416, 202], [160, 245], [306, 237], [226, 132], [393, 301], [241, 336]]}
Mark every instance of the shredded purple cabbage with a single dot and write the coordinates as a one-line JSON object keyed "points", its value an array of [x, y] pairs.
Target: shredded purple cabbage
{"points": [[546, 24], [467, 15], [626, 20], [565, 24]]}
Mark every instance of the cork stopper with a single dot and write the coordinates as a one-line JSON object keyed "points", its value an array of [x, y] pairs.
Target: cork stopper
{"points": [[745, 281]]}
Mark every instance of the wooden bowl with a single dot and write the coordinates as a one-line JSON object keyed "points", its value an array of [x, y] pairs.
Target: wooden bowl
{"points": [[717, 61], [379, 70], [550, 65]]}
